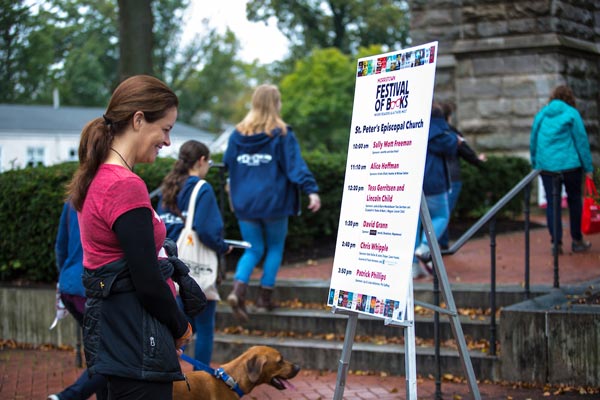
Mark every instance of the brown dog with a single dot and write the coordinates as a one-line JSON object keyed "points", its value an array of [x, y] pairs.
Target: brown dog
{"points": [[257, 365]]}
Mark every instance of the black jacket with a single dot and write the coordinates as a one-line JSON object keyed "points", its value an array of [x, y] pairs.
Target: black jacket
{"points": [[121, 338], [465, 152]]}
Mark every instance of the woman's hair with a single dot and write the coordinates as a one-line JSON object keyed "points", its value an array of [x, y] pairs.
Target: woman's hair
{"points": [[189, 153], [564, 93], [264, 115], [138, 93]]}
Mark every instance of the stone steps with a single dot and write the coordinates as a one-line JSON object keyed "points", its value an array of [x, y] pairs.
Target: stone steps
{"points": [[305, 322], [325, 355], [302, 333], [465, 296]]}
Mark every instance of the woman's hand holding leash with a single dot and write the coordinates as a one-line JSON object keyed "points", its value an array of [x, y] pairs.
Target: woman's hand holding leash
{"points": [[184, 340]]}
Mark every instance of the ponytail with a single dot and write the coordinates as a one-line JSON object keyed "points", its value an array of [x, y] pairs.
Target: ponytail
{"points": [[94, 146]]}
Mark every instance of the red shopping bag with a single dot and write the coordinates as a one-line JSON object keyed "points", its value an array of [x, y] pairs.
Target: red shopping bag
{"points": [[590, 218]]}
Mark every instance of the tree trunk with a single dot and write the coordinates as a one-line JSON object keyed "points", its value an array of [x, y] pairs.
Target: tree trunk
{"points": [[135, 37]]}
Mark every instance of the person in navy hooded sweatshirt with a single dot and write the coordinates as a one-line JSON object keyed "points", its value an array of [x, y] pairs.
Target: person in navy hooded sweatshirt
{"points": [[442, 144], [266, 170]]}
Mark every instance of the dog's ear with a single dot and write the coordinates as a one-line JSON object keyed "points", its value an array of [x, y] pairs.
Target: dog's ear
{"points": [[255, 366]]}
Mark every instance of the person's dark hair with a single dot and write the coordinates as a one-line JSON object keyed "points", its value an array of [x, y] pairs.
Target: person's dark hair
{"points": [[189, 153], [436, 110], [138, 93], [448, 108], [564, 93]]}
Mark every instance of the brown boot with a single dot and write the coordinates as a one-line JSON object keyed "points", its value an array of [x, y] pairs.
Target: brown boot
{"points": [[237, 300], [264, 301]]}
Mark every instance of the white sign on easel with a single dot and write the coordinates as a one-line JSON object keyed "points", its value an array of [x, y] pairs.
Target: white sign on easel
{"points": [[383, 183], [372, 267]]}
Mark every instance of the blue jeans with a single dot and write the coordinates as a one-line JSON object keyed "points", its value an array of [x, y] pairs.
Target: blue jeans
{"points": [[452, 200], [267, 237], [203, 326], [573, 181], [440, 215]]}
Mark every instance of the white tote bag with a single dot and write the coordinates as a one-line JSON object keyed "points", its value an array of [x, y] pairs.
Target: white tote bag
{"points": [[201, 260]]}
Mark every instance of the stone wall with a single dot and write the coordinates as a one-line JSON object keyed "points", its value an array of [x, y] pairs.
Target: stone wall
{"points": [[499, 61], [550, 340], [27, 313]]}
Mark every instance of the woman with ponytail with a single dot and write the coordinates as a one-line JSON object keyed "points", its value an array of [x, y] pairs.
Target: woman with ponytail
{"points": [[132, 326], [191, 167]]}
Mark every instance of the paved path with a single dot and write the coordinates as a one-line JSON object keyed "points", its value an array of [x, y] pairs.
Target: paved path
{"points": [[32, 374]]}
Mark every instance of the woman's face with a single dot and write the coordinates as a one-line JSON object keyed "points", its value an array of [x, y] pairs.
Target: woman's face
{"points": [[204, 165], [154, 135]]}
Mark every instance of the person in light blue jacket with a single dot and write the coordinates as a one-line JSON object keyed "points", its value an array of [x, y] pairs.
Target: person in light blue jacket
{"points": [[560, 148], [266, 171]]}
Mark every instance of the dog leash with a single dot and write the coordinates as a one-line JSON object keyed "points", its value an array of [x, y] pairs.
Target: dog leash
{"points": [[218, 373]]}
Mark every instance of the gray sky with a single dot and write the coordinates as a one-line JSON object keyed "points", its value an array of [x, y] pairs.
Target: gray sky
{"points": [[265, 43]]}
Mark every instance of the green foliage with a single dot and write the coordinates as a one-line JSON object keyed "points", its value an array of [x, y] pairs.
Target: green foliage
{"points": [[317, 99], [484, 187], [209, 93], [26, 50], [31, 201], [345, 25]]}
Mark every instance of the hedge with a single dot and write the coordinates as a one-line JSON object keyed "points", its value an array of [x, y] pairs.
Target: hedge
{"points": [[31, 202]]}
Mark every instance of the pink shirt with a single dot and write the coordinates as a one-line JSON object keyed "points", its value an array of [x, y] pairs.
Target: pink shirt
{"points": [[113, 191]]}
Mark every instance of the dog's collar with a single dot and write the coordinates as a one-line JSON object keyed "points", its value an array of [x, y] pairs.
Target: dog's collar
{"points": [[229, 381], [217, 373]]}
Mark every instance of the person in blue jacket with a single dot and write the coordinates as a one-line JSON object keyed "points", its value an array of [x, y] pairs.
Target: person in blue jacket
{"points": [[69, 261], [465, 152], [266, 171], [442, 144], [191, 166], [559, 146]]}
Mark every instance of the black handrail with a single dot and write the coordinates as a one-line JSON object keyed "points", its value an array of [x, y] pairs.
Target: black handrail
{"points": [[490, 216], [491, 213]]}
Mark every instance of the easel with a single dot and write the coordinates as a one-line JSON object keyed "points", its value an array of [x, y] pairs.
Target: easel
{"points": [[408, 324]]}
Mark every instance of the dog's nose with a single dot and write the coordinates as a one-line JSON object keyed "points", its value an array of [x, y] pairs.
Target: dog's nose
{"points": [[295, 369]]}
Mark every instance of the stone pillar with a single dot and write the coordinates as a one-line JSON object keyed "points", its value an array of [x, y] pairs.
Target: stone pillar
{"points": [[499, 60]]}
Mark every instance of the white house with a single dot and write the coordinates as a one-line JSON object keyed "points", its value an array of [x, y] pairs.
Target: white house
{"points": [[32, 135]]}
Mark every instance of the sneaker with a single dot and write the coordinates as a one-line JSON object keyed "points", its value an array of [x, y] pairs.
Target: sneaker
{"points": [[53, 397], [429, 267], [417, 271], [424, 256], [579, 246], [425, 261]]}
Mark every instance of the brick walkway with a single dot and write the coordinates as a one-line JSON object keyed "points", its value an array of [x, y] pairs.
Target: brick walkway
{"points": [[33, 374], [471, 264]]}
